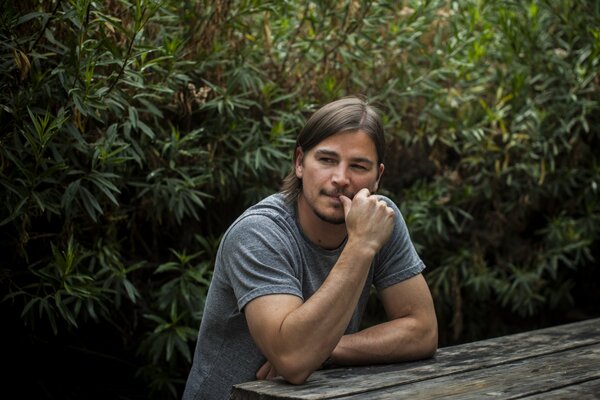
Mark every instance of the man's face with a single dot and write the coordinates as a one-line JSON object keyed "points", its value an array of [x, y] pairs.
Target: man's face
{"points": [[343, 163]]}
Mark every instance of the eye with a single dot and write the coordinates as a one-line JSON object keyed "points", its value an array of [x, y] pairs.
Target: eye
{"points": [[327, 160], [359, 167]]}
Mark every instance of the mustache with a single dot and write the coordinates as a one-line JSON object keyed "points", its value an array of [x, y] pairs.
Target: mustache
{"points": [[338, 193]]}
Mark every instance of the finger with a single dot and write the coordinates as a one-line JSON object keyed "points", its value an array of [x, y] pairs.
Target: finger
{"points": [[272, 373], [346, 203], [385, 207], [364, 192], [263, 371]]}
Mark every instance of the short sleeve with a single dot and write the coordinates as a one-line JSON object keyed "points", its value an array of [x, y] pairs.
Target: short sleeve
{"points": [[257, 257], [397, 260]]}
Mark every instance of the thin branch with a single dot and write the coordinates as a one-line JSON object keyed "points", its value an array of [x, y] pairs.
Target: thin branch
{"points": [[130, 48], [43, 30], [294, 37]]}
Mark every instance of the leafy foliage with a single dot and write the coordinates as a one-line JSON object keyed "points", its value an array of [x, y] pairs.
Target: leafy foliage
{"points": [[135, 131], [513, 143]]}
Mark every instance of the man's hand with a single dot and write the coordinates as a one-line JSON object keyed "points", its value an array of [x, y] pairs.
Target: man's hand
{"points": [[267, 371], [368, 219]]}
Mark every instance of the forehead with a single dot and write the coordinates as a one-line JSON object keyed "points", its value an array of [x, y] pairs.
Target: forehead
{"points": [[353, 144]]}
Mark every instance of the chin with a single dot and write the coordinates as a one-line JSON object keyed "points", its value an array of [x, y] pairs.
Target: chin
{"points": [[334, 218]]}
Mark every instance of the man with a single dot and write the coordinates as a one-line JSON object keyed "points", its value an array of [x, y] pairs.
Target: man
{"points": [[294, 272]]}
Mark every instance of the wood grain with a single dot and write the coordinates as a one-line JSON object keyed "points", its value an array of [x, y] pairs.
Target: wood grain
{"points": [[531, 376], [486, 357]]}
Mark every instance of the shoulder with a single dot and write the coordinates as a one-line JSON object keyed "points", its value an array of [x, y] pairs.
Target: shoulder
{"points": [[274, 206], [271, 217]]}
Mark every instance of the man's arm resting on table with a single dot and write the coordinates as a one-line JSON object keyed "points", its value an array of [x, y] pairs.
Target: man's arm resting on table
{"points": [[297, 337], [410, 333]]}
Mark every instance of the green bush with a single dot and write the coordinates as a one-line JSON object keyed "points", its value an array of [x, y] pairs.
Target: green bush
{"points": [[134, 132], [509, 219]]}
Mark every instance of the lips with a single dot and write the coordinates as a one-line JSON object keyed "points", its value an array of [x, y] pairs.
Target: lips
{"points": [[336, 194]]}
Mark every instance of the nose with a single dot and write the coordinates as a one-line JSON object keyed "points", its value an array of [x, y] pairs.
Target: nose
{"points": [[340, 177]]}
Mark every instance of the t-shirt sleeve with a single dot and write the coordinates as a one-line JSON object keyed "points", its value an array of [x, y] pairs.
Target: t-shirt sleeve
{"points": [[397, 260], [257, 256]]}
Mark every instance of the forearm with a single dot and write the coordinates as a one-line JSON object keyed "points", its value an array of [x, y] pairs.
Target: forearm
{"points": [[401, 339], [309, 334]]}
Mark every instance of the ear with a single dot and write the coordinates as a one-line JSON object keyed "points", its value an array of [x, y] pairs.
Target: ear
{"points": [[299, 162], [379, 173]]}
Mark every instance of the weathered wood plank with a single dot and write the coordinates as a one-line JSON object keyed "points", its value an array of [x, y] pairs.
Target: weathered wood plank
{"points": [[531, 376], [335, 383], [589, 390]]}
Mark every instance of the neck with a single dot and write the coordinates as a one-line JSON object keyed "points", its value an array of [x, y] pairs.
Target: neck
{"points": [[324, 234]]}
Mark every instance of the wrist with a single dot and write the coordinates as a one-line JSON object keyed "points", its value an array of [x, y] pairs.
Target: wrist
{"points": [[362, 248]]}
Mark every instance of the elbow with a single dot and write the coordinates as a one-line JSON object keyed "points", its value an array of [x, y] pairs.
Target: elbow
{"points": [[295, 370], [296, 376], [426, 343], [429, 351], [430, 344]]}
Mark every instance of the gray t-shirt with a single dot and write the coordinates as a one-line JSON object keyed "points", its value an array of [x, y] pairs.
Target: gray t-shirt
{"points": [[265, 252]]}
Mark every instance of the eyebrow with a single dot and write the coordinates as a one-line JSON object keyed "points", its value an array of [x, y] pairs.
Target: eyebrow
{"points": [[331, 153]]}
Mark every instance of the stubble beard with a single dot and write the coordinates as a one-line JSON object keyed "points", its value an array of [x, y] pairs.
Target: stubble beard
{"points": [[332, 219]]}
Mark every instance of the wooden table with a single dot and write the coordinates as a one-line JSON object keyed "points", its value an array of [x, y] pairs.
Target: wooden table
{"points": [[561, 362]]}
